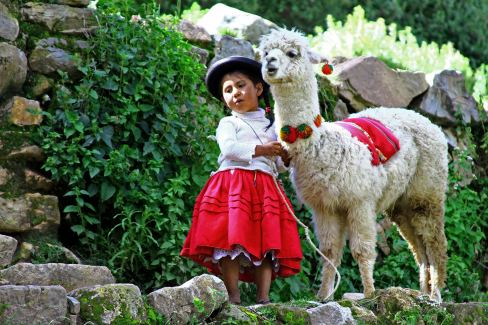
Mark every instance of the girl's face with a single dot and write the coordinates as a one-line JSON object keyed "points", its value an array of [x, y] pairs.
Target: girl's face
{"points": [[240, 93]]}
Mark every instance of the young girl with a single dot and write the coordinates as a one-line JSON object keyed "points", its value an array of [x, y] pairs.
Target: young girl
{"points": [[241, 227]]}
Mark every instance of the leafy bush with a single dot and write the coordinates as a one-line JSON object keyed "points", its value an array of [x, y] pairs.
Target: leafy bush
{"points": [[459, 22], [399, 48], [129, 142]]}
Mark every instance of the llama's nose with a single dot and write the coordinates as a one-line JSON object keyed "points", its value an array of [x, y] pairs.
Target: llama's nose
{"points": [[271, 65]]}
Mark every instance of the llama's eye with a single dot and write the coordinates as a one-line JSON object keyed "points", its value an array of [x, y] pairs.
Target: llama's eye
{"points": [[292, 53]]}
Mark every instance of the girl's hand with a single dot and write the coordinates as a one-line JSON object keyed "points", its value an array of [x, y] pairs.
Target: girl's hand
{"points": [[273, 148], [285, 157]]}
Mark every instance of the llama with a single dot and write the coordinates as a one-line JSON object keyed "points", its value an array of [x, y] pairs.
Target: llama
{"points": [[332, 172]]}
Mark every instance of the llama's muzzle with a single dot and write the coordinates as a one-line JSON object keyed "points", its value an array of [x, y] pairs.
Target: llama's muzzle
{"points": [[271, 67]]}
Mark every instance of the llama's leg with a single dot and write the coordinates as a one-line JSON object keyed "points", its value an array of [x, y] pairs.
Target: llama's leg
{"points": [[362, 241], [417, 247], [331, 233], [428, 221]]}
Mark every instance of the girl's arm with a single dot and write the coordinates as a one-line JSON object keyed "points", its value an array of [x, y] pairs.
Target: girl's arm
{"points": [[230, 147]]}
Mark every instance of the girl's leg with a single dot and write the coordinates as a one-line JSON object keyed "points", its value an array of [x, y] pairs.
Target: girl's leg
{"points": [[230, 274], [262, 278]]}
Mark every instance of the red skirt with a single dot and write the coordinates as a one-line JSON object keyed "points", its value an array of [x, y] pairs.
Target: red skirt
{"points": [[243, 207]]}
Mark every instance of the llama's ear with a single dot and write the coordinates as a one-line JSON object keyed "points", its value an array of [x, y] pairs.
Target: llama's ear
{"points": [[258, 54], [316, 57]]}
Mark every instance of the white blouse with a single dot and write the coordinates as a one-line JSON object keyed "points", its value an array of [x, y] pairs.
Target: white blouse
{"points": [[238, 135]]}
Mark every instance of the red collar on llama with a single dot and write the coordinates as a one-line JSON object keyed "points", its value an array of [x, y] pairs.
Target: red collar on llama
{"points": [[380, 140], [290, 134]]}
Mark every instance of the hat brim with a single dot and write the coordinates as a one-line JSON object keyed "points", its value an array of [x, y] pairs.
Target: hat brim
{"points": [[227, 65]]}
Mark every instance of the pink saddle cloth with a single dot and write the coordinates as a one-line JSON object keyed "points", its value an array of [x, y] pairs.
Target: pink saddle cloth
{"points": [[380, 140]]}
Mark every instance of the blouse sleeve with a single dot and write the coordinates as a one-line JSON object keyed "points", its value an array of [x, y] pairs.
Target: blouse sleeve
{"points": [[230, 147]]}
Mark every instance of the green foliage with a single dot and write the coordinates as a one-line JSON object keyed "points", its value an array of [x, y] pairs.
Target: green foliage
{"points": [[460, 22], [399, 48], [129, 143], [194, 13]]}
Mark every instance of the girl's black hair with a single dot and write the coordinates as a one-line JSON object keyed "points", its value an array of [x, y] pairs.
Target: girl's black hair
{"points": [[264, 95]]}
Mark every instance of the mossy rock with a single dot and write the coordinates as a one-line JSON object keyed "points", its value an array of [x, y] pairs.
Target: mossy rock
{"points": [[111, 304], [468, 313], [284, 314]]}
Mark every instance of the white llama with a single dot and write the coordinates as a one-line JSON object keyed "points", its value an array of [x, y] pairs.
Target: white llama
{"points": [[333, 174]]}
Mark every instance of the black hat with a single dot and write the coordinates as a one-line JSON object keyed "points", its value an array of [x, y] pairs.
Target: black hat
{"points": [[227, 65]]}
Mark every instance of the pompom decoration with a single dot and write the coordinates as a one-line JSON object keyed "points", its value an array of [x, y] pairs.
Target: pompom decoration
{"points": [[304, 131], [327, 69], [318, 121], [288, 134]]}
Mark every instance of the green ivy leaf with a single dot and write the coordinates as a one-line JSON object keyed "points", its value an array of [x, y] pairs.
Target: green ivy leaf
{"points": [[107, 191], [107, 133], [78, 229], [71, 208]]}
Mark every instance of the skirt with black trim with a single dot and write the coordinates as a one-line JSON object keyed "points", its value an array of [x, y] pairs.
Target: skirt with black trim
{"points": [[241, 210]]}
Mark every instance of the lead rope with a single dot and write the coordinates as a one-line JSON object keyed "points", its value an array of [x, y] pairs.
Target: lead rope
{"points": [[307, 230]]}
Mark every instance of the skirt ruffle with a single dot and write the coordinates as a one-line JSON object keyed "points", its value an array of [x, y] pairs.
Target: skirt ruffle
{"points": [[243, 207]]}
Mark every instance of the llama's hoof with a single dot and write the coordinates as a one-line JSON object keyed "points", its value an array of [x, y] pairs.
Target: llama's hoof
{"points": [[436, 296], [368, 293], [354, 296]]}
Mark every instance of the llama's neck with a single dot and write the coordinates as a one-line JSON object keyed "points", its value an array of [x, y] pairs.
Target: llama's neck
{"points": [[296, 103]]}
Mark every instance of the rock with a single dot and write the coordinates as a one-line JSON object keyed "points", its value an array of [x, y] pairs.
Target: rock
{"points": [[25, 252], [74, 306], [60, 18], [74, 3], [194, 33], [8, 245], [13, 64], [40, 85], [246, 26], [283, 313], [31, 211], [330, 314], [23, 111], [363, 315], [5, 176], [32, 304], [45, 252], [340, 111], [368, 82], [177, 304], [201, 54], [27, 153], [47, 59], [37, 182], [69, 276], [9, 26], [229, 45], [448, 97], [354, 296], [110, 304], [394, 299], [236, 313], [469, 313]]}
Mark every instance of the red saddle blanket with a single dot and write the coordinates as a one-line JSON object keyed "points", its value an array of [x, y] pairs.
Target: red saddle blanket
{"points": [[380, 140]]}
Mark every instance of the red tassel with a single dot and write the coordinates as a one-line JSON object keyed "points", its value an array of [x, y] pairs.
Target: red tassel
{"points": [[267, 110]]}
